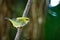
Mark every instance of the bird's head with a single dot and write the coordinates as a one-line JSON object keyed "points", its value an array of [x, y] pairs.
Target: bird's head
{"points": [[24, 19]]}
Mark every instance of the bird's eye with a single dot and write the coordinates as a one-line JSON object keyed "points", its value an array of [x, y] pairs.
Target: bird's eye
{"points": [[27, 19]]}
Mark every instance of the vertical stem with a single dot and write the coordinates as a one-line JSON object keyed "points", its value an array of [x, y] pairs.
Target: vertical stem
{"points": [[18, 34], [27, 8]]}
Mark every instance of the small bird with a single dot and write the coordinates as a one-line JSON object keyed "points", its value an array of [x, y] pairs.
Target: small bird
{"points": [[19, 21]]}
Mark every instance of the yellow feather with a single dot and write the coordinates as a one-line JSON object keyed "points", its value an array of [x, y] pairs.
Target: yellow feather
{"points": [[19, 22]]}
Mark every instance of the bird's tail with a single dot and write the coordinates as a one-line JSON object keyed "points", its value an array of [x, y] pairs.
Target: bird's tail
{"points": [[6, 18]]}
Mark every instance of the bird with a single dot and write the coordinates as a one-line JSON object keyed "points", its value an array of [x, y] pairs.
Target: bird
{"points": [[19, 21]]}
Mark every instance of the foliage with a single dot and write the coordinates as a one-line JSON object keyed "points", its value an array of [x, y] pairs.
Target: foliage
{"points": [[52, 26]]}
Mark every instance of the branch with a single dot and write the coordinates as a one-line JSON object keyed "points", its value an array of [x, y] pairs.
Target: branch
{"points": [[27, 8], [18, 34]]}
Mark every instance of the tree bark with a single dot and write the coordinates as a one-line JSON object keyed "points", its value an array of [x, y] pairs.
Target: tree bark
{"points": [[4, 25], [39, 9]]}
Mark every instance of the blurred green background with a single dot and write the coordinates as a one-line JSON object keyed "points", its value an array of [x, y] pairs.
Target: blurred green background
{"points": [[52, 23]]}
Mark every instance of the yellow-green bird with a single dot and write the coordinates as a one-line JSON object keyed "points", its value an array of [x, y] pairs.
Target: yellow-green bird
{"points": [[19, 21]]}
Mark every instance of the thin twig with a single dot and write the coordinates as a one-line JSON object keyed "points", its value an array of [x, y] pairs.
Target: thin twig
{"points": [[18, 34], [27, 8]]}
